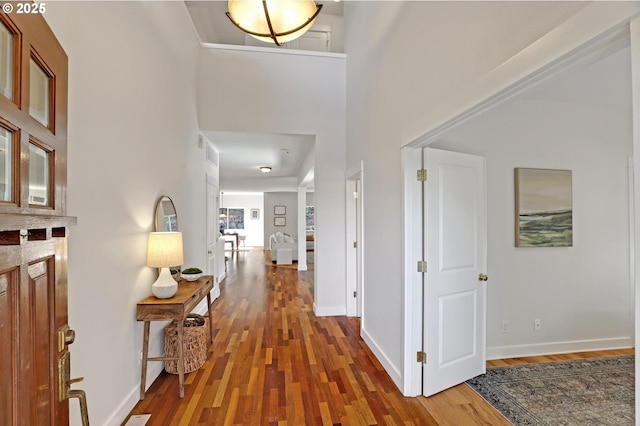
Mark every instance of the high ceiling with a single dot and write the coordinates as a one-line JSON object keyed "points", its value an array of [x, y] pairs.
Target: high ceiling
{"points": [[242, 153], [605, 82]]}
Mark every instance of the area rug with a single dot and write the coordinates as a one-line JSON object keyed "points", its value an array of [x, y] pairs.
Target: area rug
{"points": [[594, 391]]}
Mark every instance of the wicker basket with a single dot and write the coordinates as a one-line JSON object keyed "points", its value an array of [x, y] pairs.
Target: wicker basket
{"points": [[194, 344]]}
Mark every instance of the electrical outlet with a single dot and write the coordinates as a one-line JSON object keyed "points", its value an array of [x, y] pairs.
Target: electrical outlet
{"points": [[504, 326], [537, 324]]}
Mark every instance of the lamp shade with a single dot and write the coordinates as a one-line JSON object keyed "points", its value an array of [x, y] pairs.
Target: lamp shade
{"points": [[273, 21], [164, 249]]}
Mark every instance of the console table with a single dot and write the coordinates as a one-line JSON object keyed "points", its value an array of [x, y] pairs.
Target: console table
{"points": [[176, 308]]}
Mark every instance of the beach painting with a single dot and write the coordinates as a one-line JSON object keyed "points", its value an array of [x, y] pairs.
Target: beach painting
{"points": [[544, 211]]}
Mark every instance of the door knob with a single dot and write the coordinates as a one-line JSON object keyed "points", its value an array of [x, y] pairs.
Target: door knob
{"points": [[208, 251], [482, 277]]}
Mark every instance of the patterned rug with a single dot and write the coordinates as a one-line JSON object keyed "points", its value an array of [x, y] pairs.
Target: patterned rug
{"points": [[596, 391]]}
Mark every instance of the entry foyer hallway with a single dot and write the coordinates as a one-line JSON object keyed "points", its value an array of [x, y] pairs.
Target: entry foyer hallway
{"points": [[273, 362]]}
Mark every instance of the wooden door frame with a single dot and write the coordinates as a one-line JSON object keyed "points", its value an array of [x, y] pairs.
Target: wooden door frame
{"points": [[607, 41]]}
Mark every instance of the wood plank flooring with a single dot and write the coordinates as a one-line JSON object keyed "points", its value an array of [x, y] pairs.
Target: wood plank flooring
{"points": [[273, 362]]}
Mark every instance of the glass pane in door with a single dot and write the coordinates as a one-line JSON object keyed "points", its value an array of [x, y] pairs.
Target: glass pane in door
{"points": [[38, 176], [39, 93], [6, 62], [6, 177]]}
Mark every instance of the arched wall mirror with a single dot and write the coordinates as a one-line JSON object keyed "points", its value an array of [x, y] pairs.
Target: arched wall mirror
{"points": [[166, 216], [167, 221]]}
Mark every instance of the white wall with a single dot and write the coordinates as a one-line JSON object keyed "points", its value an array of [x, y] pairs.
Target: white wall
{"points": [[278, 92], [132, 138], [254, 228], [581, 293], [413, 66], [290, 201]]}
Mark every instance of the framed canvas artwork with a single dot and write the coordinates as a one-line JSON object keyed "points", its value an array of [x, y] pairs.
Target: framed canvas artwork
{"points": [[279, 221], [544, 208], [279, 209]]}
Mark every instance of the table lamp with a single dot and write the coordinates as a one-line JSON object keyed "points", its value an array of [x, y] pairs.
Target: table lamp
{"points": [[164, 250]]}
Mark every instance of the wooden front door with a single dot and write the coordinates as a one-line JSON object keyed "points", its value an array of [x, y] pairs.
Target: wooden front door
{"points": [[34, 335]]}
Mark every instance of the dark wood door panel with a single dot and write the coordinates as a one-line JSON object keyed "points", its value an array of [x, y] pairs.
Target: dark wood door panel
{"points": [[8, 348], [33, 230]]}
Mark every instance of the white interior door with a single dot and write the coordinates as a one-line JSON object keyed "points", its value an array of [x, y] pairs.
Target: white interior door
{"points": [[455, 249], [358, 244], [354, 247], [212, 225]]}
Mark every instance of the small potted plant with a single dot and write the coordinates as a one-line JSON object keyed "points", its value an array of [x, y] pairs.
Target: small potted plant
{"points": [[191, 274]]}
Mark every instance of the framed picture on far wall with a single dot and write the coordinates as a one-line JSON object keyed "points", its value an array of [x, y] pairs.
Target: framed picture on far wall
{"points": [[255, 214], [279, 221], [544, 208], [279, 209]]}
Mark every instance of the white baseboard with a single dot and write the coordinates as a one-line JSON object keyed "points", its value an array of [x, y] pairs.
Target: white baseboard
{"points": [[130, 401], [331, 311], [221, 277], [391, 369], [498, 352]]}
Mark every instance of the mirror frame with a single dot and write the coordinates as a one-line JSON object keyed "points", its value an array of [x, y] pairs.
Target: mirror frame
{"points": [[175, 271], [157, 211]]}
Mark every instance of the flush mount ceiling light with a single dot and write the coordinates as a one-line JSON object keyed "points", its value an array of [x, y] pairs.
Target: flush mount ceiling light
{"points": [[273, 21], [265, 169]]}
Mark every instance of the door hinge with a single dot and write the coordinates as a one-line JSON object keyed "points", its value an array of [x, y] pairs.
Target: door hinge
{"points": [[422, 266], [355, 244], [421, 357], [422, 175], [355, 293]]}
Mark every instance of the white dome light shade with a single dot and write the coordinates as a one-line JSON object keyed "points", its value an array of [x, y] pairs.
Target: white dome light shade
{"points": [[273, 21]]}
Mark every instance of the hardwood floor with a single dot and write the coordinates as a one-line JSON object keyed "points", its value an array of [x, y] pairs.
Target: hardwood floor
{"points": [[273, 362]]}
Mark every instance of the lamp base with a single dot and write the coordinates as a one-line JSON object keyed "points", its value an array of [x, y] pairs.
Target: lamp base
{"points": [[165, 286]]}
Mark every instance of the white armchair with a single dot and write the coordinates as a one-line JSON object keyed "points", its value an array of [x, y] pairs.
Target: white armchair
{"points": [[280, 241]]}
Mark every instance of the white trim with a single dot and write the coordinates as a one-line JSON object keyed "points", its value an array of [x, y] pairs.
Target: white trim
{"points": [[515, 351], [133, 397], [302, 227], [351, 259], [632, 247], [412, 279], [329, 311], [272, 50], [634, 36], [354, 173], [393, 371]]}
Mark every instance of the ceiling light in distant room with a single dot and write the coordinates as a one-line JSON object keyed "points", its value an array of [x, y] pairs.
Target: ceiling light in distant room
{"points": [[273, 21], [265, 169]]}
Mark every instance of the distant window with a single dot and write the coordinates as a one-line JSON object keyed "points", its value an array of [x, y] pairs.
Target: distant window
{"points": [[310, 213], [231, 218]]}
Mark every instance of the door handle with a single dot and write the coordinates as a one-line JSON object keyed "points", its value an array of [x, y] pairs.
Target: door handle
{"points": [[64, 387], [208, 251], [66, 336], [482, 277]]}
